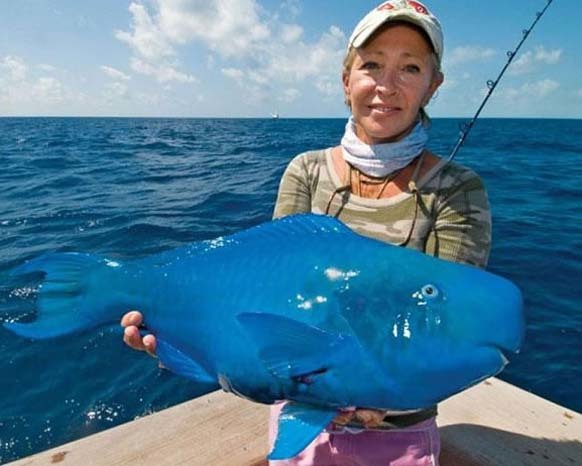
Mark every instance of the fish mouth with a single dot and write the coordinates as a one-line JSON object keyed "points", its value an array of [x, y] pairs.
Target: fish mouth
{"points": [[508, 344], [504, 358], [500, 353]]}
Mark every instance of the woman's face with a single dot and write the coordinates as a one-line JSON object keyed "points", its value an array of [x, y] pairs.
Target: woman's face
{"points": [[391, 78]]}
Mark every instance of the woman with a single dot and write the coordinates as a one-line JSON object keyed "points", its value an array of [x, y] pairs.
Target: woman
{"points": [[383, 183]]}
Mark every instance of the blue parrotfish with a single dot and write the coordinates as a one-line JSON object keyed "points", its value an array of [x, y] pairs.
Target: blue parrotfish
{"points": [[300, 309]]}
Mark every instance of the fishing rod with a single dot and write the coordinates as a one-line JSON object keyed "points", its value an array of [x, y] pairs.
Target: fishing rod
{"points": [[491, 85]]}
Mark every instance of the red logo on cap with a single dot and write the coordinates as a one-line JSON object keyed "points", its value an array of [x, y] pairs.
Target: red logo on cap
{"points": [[385, 6], [419, 7]]}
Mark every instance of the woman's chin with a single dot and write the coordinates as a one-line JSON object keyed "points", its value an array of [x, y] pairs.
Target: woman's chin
{"points": [[383, 127], [384, 135]]}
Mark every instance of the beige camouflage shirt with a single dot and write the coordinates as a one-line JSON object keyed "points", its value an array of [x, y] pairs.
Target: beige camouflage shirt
{"points": [[448, 218], [452, 221]]}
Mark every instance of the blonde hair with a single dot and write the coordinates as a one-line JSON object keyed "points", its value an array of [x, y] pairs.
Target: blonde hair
{"points": [[352, 51]]}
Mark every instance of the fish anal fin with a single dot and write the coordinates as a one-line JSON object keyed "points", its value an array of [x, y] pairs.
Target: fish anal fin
{"points": [[180, 363], [299, 425]]}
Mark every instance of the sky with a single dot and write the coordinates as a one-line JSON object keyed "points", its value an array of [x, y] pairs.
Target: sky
{"points": [[252, 58]]}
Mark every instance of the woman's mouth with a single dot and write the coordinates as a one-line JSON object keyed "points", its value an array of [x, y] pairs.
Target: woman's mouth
{"points": [[384, 109]]}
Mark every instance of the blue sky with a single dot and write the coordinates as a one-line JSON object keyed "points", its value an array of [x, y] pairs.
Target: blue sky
{"points": [[249, 58]]}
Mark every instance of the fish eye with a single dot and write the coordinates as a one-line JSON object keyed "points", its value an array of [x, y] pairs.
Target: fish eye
{"points": [[429, 291]]}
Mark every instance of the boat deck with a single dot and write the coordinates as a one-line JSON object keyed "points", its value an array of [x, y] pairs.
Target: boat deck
{"points": [[491, 424]]}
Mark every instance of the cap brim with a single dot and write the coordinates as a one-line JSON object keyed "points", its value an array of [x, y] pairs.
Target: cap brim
{"points": [[364, 35]]}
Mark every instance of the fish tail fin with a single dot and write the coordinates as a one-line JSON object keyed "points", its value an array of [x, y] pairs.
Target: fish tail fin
{"points": [[77, 293]]}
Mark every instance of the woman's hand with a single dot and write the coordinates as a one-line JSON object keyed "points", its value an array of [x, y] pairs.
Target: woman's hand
{"points": [[131, 336], [369, 418]]}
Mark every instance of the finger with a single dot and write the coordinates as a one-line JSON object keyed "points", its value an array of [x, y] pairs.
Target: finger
{"points": [[132, 338], [132, 318], [344, 417], [370, 418], [149, 344]]}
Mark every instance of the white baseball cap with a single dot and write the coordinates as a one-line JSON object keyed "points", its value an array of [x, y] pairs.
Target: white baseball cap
{"points": [[399, 10]]}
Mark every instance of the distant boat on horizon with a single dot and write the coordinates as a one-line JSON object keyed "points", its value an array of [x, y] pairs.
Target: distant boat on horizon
{"points": [[275, 116]]}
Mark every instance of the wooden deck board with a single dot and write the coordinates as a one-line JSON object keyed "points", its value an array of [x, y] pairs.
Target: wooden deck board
{"points": [[492, 424], [497, 424]]}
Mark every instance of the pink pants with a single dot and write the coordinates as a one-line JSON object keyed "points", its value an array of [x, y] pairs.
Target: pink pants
{"points": [[418, 445]]}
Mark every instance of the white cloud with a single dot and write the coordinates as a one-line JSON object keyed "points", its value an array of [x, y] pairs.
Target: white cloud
{"points": [[162, 72], [530, 60], [233, 73], [154, 53], [229, 27], [48, 90], [239, 33], [149, 100], [115, 74], [448, 84], [454, 81], [147, 40], [279, 63], [532, 90], [258, 77], [290, 8], [14, 68], [328, 87], [290, 95], [320, 61], [541, 88], [21, 87], [469, 53], [115, 91], [549, 57], [291, 33], [46, 68]]}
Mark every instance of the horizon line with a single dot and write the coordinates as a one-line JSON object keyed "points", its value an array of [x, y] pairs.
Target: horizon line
{"points": [[280, 117]]}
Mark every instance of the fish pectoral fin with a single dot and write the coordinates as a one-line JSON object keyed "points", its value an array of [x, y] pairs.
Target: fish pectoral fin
{"points": [[291, 349], [181, 364], [299, 424]]}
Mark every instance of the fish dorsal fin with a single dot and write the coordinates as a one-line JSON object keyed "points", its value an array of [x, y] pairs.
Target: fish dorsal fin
{"points": [[299, 224], [314, 223], [299, 424], [279, 230], [289, 348]]}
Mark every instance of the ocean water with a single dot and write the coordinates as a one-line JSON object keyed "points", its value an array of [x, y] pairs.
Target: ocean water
{"points": [[132, 187]]}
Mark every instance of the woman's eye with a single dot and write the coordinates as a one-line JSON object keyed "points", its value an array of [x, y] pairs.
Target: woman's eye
{"points": [[370, 65], [412, 69]]}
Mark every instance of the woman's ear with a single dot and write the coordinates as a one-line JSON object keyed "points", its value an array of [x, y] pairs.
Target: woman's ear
{"points": [[432, 88], [346, 85]]}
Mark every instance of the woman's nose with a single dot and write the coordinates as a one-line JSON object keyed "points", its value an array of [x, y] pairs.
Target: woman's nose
{"points": [[387, 82]]}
